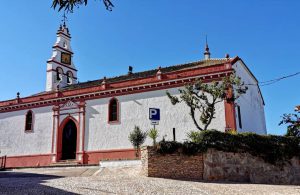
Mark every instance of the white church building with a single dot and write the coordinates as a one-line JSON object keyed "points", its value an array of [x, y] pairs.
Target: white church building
{"points": [[89, 121]]}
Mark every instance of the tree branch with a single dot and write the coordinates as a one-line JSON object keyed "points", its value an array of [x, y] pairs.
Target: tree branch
{"points": [[68, 5], [194, 120]]}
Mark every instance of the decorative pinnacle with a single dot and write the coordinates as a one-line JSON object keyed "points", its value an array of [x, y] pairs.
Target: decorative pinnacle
{"points": [[227, 56], [104, 80], [65, 18], [206, 46], [206, 52]]}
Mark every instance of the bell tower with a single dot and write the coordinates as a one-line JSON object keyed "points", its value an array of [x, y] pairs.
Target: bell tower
{"points": [[61, 70]]}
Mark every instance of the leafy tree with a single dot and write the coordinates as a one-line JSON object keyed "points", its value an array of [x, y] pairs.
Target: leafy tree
{"points": [[137, 138], [153, 134], [203, 97], [293, 122], [68, 5]]}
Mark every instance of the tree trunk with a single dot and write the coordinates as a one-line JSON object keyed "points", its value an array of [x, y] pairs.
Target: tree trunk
{"points": [[194, 120]]}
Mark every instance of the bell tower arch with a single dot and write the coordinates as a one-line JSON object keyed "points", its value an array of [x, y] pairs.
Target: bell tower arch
{"points": [[61, 70]]}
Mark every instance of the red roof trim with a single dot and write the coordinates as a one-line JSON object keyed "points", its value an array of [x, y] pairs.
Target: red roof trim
{"points": [[104, 94], [235, 59], [172, 79], [148, 80]]}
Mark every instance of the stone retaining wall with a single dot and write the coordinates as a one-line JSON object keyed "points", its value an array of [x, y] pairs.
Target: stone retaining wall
{"points": [[243, 167], [175, 166], [218, 166]]}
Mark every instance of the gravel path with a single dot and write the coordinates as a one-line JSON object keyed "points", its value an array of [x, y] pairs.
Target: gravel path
{"points": [[124, 181]]}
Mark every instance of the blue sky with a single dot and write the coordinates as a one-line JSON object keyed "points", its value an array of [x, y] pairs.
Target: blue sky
{"points": [[148, 34]]}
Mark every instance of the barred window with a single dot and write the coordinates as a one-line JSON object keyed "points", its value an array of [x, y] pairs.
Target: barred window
{"points": [[29, 121], [113, 115]]}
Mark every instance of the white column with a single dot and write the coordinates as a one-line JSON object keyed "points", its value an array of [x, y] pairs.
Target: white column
{"points": [[54, 133], [81, 131]]}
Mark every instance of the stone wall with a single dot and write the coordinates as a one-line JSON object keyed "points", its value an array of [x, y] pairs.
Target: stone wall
{"points": [[218, 166], [175, 166], [243, 167]]}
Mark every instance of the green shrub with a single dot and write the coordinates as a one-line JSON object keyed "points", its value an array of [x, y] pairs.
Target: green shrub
{"points": [[194, 136], [153, 134], [273, 149], [232, 131], [168, 147], [192, 148], [137, 138]]}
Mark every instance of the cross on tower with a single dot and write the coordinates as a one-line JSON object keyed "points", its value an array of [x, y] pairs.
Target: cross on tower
{"points": [[65, 18]]}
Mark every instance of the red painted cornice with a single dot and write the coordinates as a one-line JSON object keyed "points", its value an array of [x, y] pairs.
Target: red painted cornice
{"points": [[170, 80]]}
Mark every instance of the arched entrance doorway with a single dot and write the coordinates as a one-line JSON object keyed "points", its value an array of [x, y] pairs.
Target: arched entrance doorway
{"points": [[69, 141]]}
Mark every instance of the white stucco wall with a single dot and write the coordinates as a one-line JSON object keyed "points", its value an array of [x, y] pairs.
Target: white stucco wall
{"points": [[15, 141], [251, 104], [134, 111]]}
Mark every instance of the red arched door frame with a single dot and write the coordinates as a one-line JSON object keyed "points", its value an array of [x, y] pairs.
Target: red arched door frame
{"points": [[60, 136]]}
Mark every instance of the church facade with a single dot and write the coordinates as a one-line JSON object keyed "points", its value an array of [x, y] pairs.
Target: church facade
{"points": [[90, 121]]}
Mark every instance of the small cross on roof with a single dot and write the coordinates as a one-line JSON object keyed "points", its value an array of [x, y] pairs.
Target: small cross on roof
{"points": [[65, 18]]}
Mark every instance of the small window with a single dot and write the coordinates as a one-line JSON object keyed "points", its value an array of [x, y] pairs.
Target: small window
{"points": [[29, 121], [113, 111], [59, 73], [69, 77], [239, 116]]}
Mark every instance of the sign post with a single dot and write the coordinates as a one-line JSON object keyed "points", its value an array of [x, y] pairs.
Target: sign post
{"points": [[154, 116]]}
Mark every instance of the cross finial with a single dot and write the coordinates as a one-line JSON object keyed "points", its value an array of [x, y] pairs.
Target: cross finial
{"points": [[206, 45], [206, 52], [65, 18]]}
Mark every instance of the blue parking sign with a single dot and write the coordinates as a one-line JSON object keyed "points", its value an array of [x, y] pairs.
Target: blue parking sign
{"points": [[154, 114]]}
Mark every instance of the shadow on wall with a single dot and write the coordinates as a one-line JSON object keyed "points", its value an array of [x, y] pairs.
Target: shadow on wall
{"points": [[2, 162], [27, 183]]}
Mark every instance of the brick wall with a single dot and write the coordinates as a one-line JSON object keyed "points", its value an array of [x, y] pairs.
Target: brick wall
{"points": [[175, 166]]}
